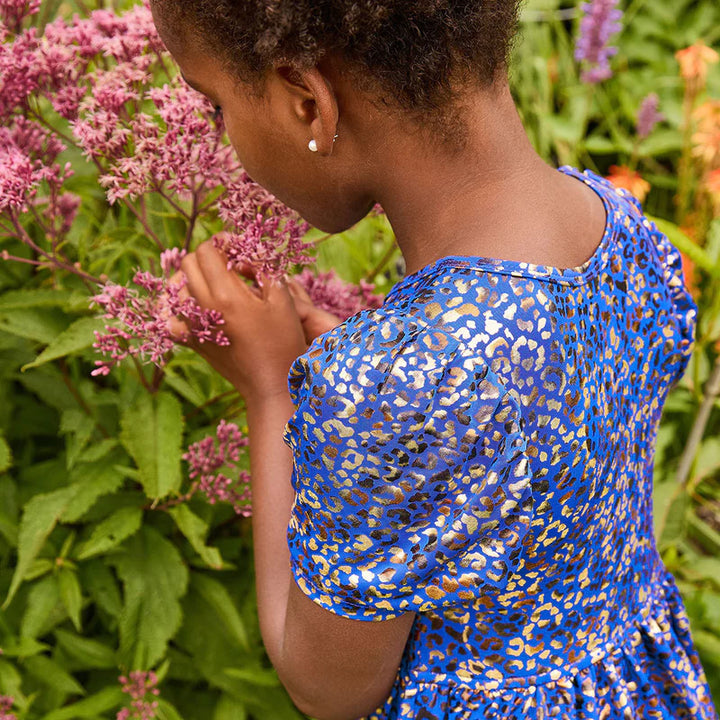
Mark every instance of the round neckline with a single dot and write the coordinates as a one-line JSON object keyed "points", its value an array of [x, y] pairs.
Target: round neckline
{"points": [[568, 275]]}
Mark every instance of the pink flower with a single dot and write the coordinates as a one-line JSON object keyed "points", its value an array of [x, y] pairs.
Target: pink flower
{"points": [[6, 704], [142, 327], [268, 235], [140, 687], [206, 460], [13, 12], [331, 293]]}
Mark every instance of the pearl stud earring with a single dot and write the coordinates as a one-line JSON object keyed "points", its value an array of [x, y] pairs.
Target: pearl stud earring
{"points": [[312, 145]]}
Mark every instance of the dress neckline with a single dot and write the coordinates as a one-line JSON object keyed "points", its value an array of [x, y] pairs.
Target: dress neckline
{"points": [[566, 276]]}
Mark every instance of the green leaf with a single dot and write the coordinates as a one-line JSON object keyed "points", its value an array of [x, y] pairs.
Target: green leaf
{"points": [[78, 337], [49, 673], [215, 594], [23, 647], [10, 680], [154, 578], [111, 532], [152, 432], [165, 711], [34, 324], [683, 243], [33, 298], [254, 675], [228, 708], [703, 534], [91, 481], [107, 699], [5, 454], [42, 601], [86, 652], [39, 518], [100, 584], [39, 567], [71, 595], [8, 528], [195, 529]]}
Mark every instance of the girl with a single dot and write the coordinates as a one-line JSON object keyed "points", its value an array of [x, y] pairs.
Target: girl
{"points": [[452, 498]]}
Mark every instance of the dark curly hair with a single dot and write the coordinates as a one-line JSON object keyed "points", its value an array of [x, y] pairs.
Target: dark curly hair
{"points": [[413, 51]]}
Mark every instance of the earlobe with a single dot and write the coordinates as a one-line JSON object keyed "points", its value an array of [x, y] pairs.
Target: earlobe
{"points": [[314, 104]]}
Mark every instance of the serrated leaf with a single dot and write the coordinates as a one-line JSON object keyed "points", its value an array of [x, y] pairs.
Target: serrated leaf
{"points": [[88, 653], [5, 454], [42, 600], [111, 532], [90, 482], [215, 594], [152, 432], [50, 673], [195, 529], [107, 699], [39, 518], [154, 578], [78, 337], [71, 595], [100, 584]]}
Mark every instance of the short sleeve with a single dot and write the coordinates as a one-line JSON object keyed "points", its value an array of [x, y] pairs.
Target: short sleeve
{"points": [[413, 489], [684, 308]]}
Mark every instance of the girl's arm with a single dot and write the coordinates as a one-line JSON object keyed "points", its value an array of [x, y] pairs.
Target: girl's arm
{"points": [[334, 668]]}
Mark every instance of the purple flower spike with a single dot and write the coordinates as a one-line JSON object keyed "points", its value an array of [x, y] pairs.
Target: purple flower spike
{"points": [[600, 21], [648, 115]]}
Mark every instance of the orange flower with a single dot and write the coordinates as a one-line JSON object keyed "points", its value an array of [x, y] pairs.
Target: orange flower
{"points": [[712, 185], [707, 137], [622, 177], [695, 59]]}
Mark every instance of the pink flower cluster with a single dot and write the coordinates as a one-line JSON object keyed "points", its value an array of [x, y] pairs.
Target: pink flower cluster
{"points": [[56, 65], [28, 162], [206, 459], [267, 234], [329, 292], [6, 704], [178, 150], [143, 321], [13, 12], [141, 687]]}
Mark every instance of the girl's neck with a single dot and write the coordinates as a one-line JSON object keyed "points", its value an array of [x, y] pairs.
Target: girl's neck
{"points": [[495, 198]]}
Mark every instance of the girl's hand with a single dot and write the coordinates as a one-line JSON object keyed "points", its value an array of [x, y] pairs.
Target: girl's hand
{"points": [[315, 321], [262, 324]]}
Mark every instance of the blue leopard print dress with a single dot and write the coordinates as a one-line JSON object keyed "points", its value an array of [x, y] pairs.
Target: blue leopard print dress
{"points": [[480, 451]]}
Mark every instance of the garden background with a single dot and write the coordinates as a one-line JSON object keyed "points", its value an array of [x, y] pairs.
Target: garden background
{"points": [[125, 547]]}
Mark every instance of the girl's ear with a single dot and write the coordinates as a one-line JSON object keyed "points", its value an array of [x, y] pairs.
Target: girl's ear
{"points": [[314, 103]]}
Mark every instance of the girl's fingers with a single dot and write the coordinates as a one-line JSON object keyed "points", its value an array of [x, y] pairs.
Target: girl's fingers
{"points": [[196, 283], [215, 271]]}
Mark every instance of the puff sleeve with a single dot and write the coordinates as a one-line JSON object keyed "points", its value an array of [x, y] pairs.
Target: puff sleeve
{"points": [[413, 490]]}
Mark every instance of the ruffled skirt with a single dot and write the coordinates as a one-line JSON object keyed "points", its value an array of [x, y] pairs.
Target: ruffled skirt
{"points": [[653, 673]]}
